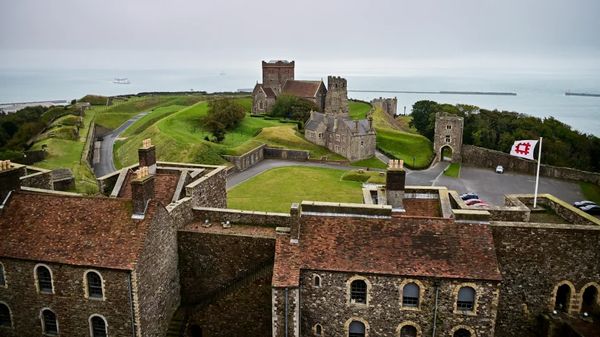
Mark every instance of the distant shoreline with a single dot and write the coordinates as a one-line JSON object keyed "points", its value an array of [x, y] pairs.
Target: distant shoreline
{"points": [[441, 92]]}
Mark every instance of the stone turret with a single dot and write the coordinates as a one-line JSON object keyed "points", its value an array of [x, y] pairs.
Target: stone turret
{"points": [[336, 101]]}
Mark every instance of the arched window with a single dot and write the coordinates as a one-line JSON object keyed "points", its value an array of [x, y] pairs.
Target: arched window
{"points": [[5, 319], [466, 299], [462, 333], [356, 329], [98, 326], [94, 285], [49, 323], [317, 281], [358, 291], [589, 299], [563, 298], [408, 331], [410, 295], [2, 277], [318, 330], [44, 279]]}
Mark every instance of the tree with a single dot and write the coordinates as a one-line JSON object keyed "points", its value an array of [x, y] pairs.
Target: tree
{"points": [[223, 114], [423, 117], [292, 107]]}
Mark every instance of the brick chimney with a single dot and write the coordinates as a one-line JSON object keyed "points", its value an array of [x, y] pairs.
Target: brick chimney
{"points": [[10, 178], [147, 156], [395, 183], [142, 190]]}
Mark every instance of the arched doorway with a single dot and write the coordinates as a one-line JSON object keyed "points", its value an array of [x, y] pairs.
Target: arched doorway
{"points": [[195, 331], [408, 331], [462, 333], [589, 299], [446, 153], [563, 298]]}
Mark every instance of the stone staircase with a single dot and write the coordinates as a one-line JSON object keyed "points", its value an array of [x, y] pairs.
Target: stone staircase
{"points": [[180, 319]]}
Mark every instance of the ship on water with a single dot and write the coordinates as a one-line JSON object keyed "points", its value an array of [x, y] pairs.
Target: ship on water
{"points": [[584, 94], [123, 80]]}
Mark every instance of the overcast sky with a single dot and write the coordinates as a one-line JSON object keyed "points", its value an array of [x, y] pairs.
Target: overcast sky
{"points": [[179, 33]]}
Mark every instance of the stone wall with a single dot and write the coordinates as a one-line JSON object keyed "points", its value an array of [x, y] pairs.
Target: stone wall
{"points": [[482, 157], [68, 302], [286, 313], [387, 105], [257, 218], [279, 153], [209, 190], [157, 278], [248, 159], [384, 314], [37, 178], [534, 259], [208, 261]]}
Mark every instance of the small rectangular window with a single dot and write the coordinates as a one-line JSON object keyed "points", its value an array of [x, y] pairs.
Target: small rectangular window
{"points": [[448, 126], [447, 139], [464, 305]]}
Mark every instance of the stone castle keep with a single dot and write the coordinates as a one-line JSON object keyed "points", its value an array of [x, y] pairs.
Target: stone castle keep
{"points": [[161, 255], [331, 126]]}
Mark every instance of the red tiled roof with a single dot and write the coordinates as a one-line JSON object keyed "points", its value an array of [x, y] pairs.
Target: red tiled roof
{"points": [[86, 231], [404, 247], [301, 88], [165, 185]]}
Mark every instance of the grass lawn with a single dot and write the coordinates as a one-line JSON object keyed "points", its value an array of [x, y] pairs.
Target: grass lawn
{"points": [[590, 191], [287, 137], [358, 110], [372, 162], [414, 149], [151, 118], [453, 170], [363, 176], [276, 189]]}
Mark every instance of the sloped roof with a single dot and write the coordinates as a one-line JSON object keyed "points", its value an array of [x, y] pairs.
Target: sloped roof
{"points": [[403, 247], [268, 91], [165, 185], [316, 118], [301, 88], [363, 126], [84, 231]]}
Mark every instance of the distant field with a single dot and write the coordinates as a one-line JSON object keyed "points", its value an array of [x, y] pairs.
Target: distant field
{"points": [[276, 189], [358, 110]]}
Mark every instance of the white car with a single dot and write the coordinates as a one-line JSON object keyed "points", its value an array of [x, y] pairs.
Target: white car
{"points": [[499, 169]]}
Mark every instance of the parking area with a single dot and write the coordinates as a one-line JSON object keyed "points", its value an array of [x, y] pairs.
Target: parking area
{"points": [[491, 186]]}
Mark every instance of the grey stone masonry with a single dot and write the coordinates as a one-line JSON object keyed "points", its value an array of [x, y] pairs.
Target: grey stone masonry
{"points": [[448, 134], [336, 101]]}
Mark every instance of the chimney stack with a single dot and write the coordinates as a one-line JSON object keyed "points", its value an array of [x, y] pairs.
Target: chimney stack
{"points": [[395, 183], [356, 125], [147, 156], [142, 190], [10, 178], [370, 119]]}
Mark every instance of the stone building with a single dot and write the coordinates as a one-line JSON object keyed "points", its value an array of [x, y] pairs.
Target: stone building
{"points": [[162, 255], [353, 139], [278, 79], [448, 137], [387, 105]]}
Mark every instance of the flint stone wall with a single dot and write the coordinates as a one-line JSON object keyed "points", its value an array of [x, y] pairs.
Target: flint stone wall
{"points": [[482, 157]]}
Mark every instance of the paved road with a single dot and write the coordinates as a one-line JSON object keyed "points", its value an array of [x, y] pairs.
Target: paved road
{"points": [[104, 164], [490, 186]]}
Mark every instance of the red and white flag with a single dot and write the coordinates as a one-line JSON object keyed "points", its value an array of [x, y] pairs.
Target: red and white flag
{"points": [[523, 148]]}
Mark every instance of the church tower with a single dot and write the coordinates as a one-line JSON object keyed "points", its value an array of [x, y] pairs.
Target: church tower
{"points": [[275, 73], [336, 101]]}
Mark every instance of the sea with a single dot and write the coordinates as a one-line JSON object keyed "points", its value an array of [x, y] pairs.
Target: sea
{"points": [[539, 93]]}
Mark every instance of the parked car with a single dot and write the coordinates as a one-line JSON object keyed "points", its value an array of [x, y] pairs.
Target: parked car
{"points": [[468, 196], [479, 204], [499, 169], [591, 209], [473, 201], [583, 203]]}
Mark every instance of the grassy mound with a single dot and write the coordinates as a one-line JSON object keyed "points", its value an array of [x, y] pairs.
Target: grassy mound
{"points": [[365, 176], [286, 136], [274, 190], [358, 109]]}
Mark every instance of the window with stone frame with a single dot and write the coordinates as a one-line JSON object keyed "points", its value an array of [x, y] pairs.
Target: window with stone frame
{"points": [[44, 279], [94, 285], [466, 299], [2, 277], [356, 329], [447, 139], [98, 327], [448, 127], [358, 291], [317, 281], [408, 331], [462, 333], [318, 330], [49, 322], [5, 319], [410, 295]]}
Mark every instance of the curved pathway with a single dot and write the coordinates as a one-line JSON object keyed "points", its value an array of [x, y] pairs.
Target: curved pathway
{"points": [[104, 163]]}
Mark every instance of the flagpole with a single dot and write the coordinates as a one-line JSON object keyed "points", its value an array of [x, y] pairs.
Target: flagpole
{"points": [[537, 175]]}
